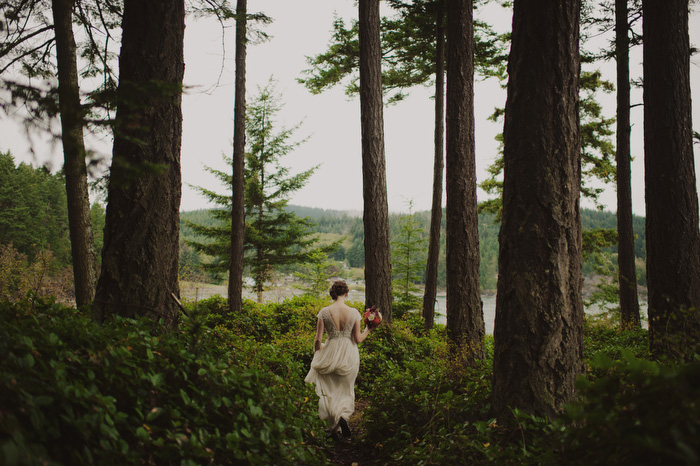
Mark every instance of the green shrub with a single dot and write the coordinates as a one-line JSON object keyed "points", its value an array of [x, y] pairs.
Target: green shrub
{"points": [[263, 322], [421, 396], [638, 412], [73, 392], [390, 348], [601, 340]]}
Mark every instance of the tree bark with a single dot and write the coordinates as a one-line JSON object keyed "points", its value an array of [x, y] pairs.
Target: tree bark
{"points": [[672, 234], [539, 313], [74, 168], [465, 319], [140, 254], [627, 275], [235, 277], [431, 269], [376, 210]]}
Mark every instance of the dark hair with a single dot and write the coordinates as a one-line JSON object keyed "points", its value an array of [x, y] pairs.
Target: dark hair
{"points": [[339, 288]]}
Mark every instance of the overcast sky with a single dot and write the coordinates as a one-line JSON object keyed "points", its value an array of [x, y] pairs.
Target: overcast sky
{"points": [[330, 120]]}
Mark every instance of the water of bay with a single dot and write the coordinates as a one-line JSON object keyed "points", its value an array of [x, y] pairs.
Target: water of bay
{"points": [[489, 307]]}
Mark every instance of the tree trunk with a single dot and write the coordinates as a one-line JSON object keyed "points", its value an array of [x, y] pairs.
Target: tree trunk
{"points": [[140, 254], [627, 276], [376, 210], [431, 270], [75, 169], [672, 235], [261, 274], [235, 276], [539, 313], [465, 318]]}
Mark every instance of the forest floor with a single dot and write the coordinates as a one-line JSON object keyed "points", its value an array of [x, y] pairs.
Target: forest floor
{"points": [[356, 451]]}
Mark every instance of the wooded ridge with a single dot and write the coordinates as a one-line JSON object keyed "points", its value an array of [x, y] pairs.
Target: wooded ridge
{"points": [[335, 224]]}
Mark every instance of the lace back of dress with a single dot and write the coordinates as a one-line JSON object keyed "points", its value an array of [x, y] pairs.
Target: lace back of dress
{"points": [[332, 331]]}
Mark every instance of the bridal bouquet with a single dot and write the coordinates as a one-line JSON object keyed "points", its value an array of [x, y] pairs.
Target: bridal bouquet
{"points": [[372, 317]]}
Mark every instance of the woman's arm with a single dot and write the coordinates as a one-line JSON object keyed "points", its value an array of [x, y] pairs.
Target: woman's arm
{"points": [[357, 335], [319, 335]]}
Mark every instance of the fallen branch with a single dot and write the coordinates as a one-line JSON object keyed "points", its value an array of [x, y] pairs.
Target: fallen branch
{"points": [[179, 304]]}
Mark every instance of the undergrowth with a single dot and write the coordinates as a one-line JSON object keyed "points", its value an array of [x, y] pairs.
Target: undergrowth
{"points": [[228, 389], [76, 393], [431, 410]]}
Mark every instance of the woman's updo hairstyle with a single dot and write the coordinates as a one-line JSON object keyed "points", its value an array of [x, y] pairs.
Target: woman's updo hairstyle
{"points": [[339, 288]]}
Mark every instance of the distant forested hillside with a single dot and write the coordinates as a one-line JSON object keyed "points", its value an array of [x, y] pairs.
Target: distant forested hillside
{"points": [[335, 224], [34, 217]]}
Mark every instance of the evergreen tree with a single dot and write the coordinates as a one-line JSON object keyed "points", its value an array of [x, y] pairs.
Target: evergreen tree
{"points": [[274, 235], [33, 215], [413, 53], [621, 16], [538, 333], [433, 260], [673, 237], [75, 165], [465, 318], [408, 260], [237, 234], [316, 274], [597, 151], [376, 210], [140, 254], [627, 278]]}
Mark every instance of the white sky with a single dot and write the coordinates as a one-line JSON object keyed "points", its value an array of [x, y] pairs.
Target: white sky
{"points": [[302, 28]]}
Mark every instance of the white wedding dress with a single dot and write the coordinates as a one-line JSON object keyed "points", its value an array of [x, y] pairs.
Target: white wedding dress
{"points": [[334, 370]]}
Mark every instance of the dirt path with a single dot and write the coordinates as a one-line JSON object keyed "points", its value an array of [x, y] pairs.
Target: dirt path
{"points": [[356, 451]]}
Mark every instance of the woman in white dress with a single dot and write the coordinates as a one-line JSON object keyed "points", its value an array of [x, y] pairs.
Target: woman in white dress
{"points": [[336, 363]]}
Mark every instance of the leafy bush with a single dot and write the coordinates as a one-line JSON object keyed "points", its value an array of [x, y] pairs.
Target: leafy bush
{"points": [[605, 340], [266, 322], [390, 348], [73, 392], [437, 411], [431, 410], [228, 389], [639, 412], [43, 276]]}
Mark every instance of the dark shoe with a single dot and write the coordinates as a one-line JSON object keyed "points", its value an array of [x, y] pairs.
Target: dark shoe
{"points": [[345, 428]]}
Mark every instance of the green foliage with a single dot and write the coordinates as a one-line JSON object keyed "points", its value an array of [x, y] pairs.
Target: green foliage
{"points": [[604, 340], [316, 275], [23, 278], [33, 210], [408, 38], [349, 229], [437, 413], [638, 412], [431, 409], [408, 258], [289, 324], [98, 216], [274, 235], [34, 233], [228, 389], [390, 348], [597, 149], [73, 392]]}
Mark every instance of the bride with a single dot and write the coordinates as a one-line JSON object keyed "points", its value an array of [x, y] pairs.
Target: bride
{"points": [[336, 363]]}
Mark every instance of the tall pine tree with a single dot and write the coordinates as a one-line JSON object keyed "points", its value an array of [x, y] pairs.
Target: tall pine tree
{"points": [[376, 209], [465, 317], [673, 238], [539, 314], [274, 235], [141, 239]]}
